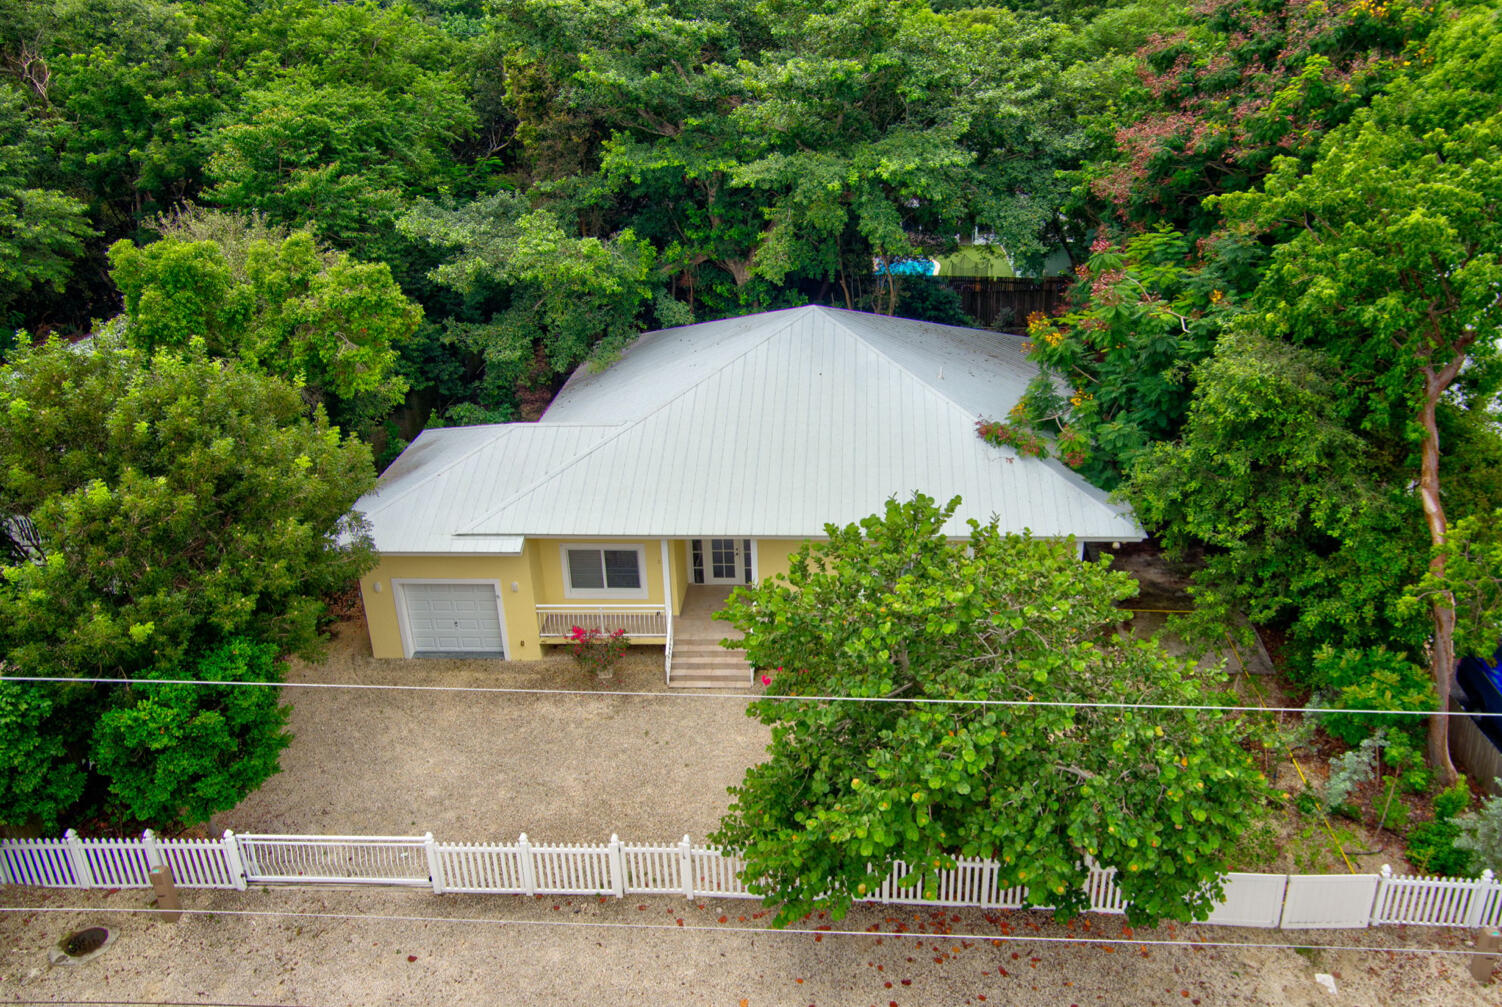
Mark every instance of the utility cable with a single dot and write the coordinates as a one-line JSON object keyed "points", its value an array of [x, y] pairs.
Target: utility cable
{"points": [[742, 697], [995, 939]]}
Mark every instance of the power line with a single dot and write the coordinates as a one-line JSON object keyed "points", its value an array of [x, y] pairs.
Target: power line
{"points": [[789, 931], [743, 697]]}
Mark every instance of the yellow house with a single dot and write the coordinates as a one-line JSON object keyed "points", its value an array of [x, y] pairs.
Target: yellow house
{"points": [[698, 461]]}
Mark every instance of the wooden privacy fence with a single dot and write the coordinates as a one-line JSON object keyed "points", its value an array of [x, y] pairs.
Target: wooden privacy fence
{"points": [[1008, 301], [1289, 901]]}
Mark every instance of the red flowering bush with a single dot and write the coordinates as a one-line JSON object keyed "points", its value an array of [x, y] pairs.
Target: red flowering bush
{"points": [[596, 651]]}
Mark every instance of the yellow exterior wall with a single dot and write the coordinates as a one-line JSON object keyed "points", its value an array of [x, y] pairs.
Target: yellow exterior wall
{"points": [[549, 564], [539, 580], [518, 607], [772, 555]]}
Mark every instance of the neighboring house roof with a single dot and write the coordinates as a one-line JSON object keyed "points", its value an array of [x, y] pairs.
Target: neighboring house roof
{"points": [[768, 425]]}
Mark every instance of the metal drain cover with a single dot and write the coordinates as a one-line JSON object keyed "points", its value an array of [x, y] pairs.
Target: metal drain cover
{"points": [[81, 946]]}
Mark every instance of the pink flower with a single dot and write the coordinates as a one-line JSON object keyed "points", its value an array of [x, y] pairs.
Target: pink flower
{"points": [[766, 680]]}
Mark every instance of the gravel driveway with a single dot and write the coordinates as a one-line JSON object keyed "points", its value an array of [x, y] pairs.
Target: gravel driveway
{"points": [[474, 767]]}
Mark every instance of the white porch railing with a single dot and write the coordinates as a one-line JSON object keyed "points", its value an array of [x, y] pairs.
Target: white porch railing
{"points": [[556, 621]]}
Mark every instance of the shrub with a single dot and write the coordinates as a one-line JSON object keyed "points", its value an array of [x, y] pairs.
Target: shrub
{"points": [[595, 651], [1373, 679], [1432, 844], [1481, 833], [180, 753]]}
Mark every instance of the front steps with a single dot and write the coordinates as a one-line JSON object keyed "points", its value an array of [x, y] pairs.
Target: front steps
{"points": [[703, 664]]}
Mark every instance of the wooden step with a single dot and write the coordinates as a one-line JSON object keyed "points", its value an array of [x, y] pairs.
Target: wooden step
{"points": [[708, 680]]}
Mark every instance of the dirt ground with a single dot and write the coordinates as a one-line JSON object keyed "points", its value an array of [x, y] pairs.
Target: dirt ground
{"points": [[472, 767], [469, 950]]}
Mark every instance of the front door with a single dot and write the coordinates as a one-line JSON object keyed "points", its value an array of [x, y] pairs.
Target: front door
{"points": [[725, 560]]}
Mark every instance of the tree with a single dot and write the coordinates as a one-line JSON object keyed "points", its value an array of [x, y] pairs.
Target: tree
{"points": [[42, 230], [1394, 270], [1125, 353], [168, 515], [566, 295], [1297, 516], [185, 752], [930, 630], [282, 306]]}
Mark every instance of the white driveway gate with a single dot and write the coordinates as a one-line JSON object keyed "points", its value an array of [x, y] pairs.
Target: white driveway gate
{"points": [[374, 860]]}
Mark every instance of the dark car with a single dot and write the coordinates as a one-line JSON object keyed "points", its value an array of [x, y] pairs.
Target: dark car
{"points": [[1480, 682]]}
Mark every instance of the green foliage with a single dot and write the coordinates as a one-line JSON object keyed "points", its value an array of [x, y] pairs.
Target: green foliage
{"points": [[176, 500], [1481, 834], [1303, 528], [1126, 349], [42, 230], [1472, 576], [1372, 679], [167, 515], [1432, 845], [181, 753], [929, 299], [849, 788], [287, 310], [572, 296], [39, 779], [350, 121]]}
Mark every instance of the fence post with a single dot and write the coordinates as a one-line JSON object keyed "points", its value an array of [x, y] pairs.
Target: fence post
{"points": [[6, 876], [83, 875], [168, 905], [529, 874], [234, 861], [435, 864], [1378, 913], [617, 866], [152, 850], [686, 867], [1479, 892]]}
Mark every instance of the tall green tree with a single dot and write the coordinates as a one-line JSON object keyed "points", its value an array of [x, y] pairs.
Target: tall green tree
{"points": [[924, 771], [278, 304], [157, 508], [1395, 269], [43, 230]]}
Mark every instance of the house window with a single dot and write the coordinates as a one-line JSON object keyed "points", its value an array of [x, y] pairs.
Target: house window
{"points": [[601, 571]]}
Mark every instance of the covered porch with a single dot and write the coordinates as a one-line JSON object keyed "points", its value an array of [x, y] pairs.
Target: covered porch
{"points": [[692, 579]]}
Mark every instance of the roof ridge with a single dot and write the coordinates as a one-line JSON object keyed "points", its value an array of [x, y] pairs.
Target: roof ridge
{"points": [[627, 427], [1057, 468]]}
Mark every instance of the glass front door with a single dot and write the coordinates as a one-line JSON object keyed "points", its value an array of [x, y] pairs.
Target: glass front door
{"points": [[721, 560]]}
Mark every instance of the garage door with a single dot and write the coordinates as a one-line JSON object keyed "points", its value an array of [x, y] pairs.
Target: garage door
{"points": [[453, 619]]}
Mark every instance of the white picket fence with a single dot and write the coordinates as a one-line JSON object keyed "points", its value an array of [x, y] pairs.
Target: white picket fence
{"points": [[1289, 901]]}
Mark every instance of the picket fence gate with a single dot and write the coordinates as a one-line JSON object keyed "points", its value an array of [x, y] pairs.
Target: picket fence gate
{"points": [[1289, 901]]}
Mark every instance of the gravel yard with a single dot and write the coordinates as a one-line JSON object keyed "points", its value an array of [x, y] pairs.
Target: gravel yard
{"points": [[633, 951], [487, 766]]}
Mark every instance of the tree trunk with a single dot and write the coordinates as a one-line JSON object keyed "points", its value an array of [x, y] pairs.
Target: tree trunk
{"points": [[1442, 607]]}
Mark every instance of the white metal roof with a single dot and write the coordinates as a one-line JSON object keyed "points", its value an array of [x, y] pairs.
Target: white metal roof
{"points": [[768, 425], [449, 477], [821, 417]]}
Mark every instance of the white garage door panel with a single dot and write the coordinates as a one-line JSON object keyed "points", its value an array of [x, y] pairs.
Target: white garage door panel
{"points": [[453, 618]]}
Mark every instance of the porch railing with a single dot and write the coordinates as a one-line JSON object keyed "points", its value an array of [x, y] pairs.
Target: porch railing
{"points": [[556, 621]]}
